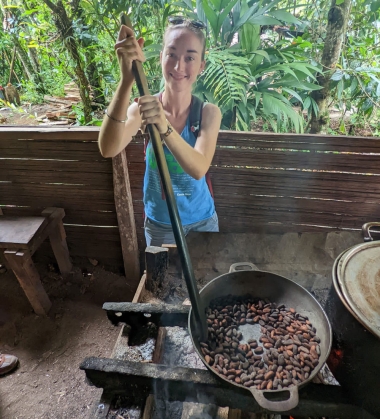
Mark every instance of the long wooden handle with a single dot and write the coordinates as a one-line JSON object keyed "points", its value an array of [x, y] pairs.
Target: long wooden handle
{"points": [[188, 272]]}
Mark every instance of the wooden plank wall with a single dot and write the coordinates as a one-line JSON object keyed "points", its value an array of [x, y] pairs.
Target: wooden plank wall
{"points": [[262, 183], [287, 182], [63, 168]]}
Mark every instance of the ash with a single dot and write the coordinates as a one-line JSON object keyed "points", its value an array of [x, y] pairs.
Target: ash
{"points": [[137, 353], [179, 350], [326, 376]]}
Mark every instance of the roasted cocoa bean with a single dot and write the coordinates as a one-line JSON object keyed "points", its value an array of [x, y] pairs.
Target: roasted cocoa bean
{"points": [[290, 347]]}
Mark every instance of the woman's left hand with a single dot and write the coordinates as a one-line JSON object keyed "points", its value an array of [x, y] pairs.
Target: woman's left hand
{"points": [[152, 112]]}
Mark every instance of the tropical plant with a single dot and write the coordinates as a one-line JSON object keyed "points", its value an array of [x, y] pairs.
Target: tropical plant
{"points": [[248, 81], [253, 72]]}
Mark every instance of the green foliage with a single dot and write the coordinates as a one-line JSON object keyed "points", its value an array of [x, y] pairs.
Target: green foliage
{"points": [[225, 78], [355, 83], [252, 72]]}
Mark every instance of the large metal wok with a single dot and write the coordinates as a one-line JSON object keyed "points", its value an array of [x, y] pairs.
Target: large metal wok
{"points": [[277, 289]]}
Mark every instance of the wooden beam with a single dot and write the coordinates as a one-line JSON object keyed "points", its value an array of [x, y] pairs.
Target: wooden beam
{"points": [[23, 267], [140, 289], [126, 218], [160, 344], [156, 263]]}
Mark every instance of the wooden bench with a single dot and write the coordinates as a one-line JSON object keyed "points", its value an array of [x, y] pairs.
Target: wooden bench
{"points": [[20, 237]]}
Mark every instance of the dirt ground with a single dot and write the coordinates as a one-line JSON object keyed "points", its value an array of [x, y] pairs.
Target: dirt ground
{"points": [[48, 383]]}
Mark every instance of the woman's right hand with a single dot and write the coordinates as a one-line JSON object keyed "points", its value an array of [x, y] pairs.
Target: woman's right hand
{"points": [[128, 49]]}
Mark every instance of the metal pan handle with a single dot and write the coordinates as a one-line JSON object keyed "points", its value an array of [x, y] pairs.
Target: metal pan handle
{"points": [[278, 405], [249, 265], [366, 231]]}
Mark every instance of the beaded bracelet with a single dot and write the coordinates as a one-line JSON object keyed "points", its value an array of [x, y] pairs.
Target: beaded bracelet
{"points": [[111, 117]]}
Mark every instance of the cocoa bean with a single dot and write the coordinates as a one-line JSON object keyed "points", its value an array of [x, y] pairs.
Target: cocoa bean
{"points": [[241, 357], [263, 385], [289, 348], [249, 383], [269, 375], [268, 345], [313, 353]]}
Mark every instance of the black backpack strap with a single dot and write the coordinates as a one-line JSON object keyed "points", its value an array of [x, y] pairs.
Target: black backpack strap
{"points": [[195, 126], [196, 115]]}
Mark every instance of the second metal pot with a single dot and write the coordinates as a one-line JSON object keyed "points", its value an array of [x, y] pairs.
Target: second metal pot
{"points": [[355, 357]]}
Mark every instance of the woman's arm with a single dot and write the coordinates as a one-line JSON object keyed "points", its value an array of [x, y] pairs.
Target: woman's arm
{"points": [[122, 121], [196, 161], [114, 136]]}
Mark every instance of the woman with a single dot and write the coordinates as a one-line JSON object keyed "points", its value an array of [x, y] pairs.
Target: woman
{"points": [[188, 157]]}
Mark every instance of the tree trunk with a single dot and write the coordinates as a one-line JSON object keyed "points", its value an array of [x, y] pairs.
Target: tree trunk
{"points": [[91, 67], [336, 30], [65, 28], [27, 64]]}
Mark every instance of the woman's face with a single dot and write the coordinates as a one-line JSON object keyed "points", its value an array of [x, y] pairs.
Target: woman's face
{"points": [[181, 58]]}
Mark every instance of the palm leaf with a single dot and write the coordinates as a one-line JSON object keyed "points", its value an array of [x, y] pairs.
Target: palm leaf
{"points": [[226, 76]]}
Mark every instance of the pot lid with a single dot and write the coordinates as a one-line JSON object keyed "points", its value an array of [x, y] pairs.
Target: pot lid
{"points": [[359, 280]]}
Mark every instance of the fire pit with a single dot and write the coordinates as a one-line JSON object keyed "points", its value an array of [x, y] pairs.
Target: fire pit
{"points": [[154, 369]]}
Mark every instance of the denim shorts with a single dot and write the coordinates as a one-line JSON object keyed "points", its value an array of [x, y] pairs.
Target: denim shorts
{"points": [[157, 234]]}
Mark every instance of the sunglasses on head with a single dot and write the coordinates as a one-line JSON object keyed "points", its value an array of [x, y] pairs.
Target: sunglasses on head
{"points": [[177, 20]]}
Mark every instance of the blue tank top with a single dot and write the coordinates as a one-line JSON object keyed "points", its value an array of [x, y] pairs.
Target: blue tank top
{"points": [[193, 197]]}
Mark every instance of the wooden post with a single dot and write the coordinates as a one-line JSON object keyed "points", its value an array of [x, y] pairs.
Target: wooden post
{"points": [[57, 237], [2, 258], [23, 267], [156, 262], [59, 245], [175, 265], [126, 218]]}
